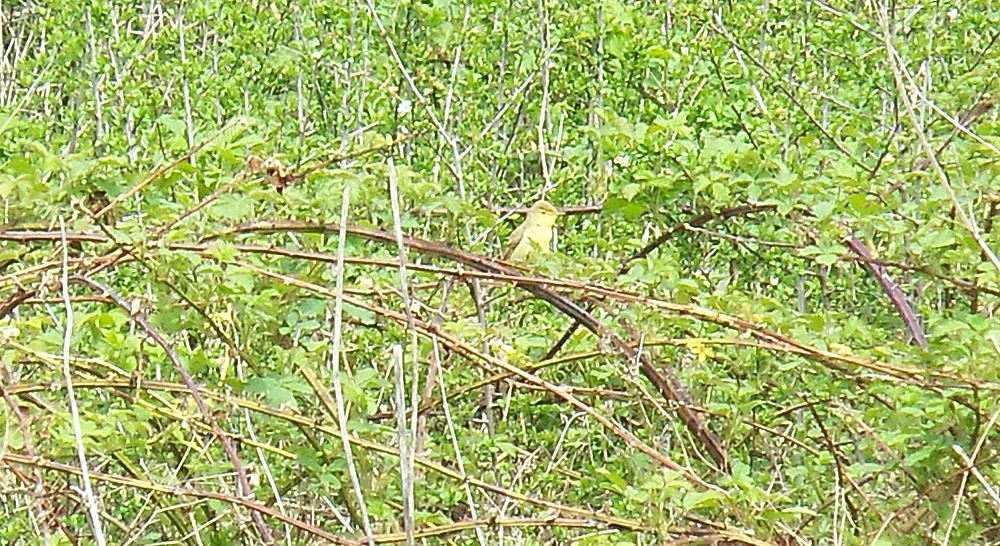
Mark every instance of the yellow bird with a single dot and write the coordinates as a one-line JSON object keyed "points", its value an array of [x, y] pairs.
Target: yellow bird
{"points": [[534, 234]]}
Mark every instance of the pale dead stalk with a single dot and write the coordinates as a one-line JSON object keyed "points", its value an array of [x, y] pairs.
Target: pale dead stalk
{"points": [[446, 408], [95, 83], [906, 89], [86, 490], [406, 440], [405, 468], [970, 461], [338, 324], [185, 85]]}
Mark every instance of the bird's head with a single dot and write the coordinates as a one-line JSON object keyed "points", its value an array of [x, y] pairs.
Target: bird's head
{"points": [[543, 213]]}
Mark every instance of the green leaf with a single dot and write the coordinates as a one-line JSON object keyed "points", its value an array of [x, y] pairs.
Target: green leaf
{"points": [[223, 251], [629, 210], [799, 511], [232, 207], [859, 470], [703, 499], [614, 481], [828, 259], [823, 210], [629, 191], [361, 314]]}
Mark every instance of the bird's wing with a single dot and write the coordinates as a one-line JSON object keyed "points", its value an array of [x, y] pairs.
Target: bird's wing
{"points": [[514, 240]]}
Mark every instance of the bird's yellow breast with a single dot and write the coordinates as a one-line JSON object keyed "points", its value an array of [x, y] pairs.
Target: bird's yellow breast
{"points": [[534, 238]]}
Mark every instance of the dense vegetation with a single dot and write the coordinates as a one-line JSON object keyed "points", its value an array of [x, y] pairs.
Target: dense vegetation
{"points": [[248, 268]]}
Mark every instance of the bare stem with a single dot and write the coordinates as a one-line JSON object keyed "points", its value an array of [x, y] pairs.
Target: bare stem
{"points": [[87, 491]]}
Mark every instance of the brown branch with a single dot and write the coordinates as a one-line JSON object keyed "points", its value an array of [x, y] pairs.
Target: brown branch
{"points": [[159, 172], [143, 322], [968, 286], [695, 221], [684, 535], [307, 423], [965, 119], [51, 236], [911, 376], [11, 303], [895, 293], [256, 507], [459, 346], [567, 210], [337, 158], [539, 365], [665, 380]]}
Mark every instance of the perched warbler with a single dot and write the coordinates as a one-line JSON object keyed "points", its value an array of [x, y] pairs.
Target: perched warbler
{"points": [[534, 234]]}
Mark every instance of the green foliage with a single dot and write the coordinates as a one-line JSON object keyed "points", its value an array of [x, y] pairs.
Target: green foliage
{"points": [[753, 137]]}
